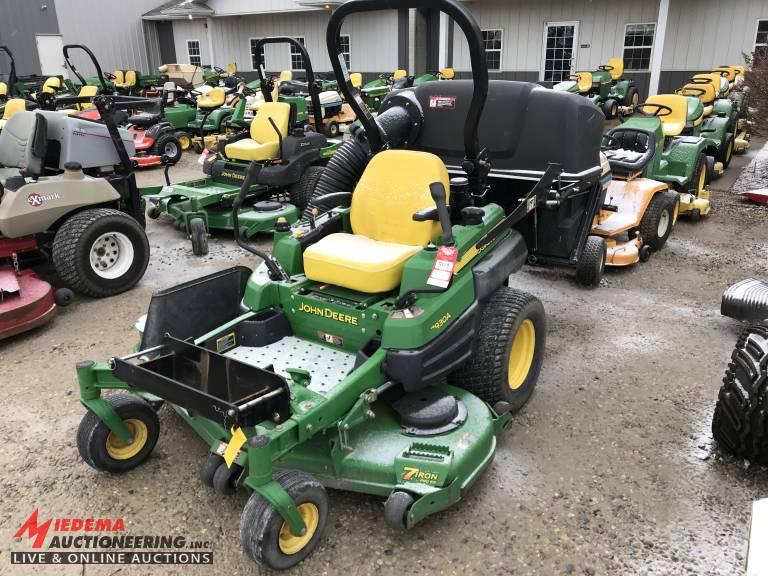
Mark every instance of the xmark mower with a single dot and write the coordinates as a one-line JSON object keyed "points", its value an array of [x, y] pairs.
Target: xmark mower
{"points": [[380, 351], [290, 157], [74, 199]]}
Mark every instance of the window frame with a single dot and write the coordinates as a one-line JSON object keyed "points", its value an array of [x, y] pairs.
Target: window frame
{"points": [[575, 49], [250, 52], [755, 43], [303, 41], [499, 50], [652, 46], [199, 52], [348, 53]]}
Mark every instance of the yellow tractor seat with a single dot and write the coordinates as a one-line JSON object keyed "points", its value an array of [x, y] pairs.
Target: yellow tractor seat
{"points": [[52, 85], [446, 73], [713, 78], [583, 81], [264, 142], [13, 106], [213, 99], [384, 236], [356, 79], [130, 79], [728, 71], [286, 76], [232, 68], [617, 68], [87, 91], [119, 78], [3, 90], [673, 123], [708, 96], [397, 74]]}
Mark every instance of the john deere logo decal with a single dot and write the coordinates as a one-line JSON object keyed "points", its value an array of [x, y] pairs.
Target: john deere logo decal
{"points": [[328, 313], [412, 474], [36, 199]]}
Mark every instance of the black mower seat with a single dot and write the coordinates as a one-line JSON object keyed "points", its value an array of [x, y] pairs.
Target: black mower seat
{"points": [[145, 119], [629, 150], [524, 126]]}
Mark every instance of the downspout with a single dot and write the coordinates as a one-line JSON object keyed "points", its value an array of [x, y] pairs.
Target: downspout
{"points": [[209, 33], [658, 51], [442, 56]]}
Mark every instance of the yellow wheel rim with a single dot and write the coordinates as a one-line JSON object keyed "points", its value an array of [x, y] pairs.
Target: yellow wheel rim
{"points": [[290, 544], [118, 450], [521, 354], [184, 142], [676, 214], [729, 152], [702, 181]]}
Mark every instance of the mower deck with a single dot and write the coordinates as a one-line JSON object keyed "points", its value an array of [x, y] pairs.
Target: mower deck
{"points": [[26, 301]]}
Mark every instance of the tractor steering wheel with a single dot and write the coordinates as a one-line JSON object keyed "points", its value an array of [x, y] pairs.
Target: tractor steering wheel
{"points": [[605, 67], [659, 109], [108, 76], [219, 70], [696, 91], [700, 81]]}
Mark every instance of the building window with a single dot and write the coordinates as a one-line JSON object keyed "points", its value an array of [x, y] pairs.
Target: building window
{"points": [[638, 46], [297, 59], [559, 50], [193, 51], [261, 59], [761, 39], [345, 50], [492, 40]]}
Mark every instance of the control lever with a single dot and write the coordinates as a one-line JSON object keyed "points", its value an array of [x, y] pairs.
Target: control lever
{"points": [[437, 191]]}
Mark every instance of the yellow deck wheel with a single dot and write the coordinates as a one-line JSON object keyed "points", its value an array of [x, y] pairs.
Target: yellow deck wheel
{"points": [[185, 141], [290, 543], [521, 354], [118, 450]]}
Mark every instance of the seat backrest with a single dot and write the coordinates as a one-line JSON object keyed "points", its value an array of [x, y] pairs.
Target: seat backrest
{"points": [[3, 90], [13, 106], [286, 76], [394, 186], [212, 99], [262, 130], [584, 81], [23, 142], [130, 79], [728, 71], [400, 73], [87, 91], [617, 68], [672, 124], [707, 97], [119, 77], [52, 85], [357, 79], [232, 68], [713, 78], [630, 139], [447, 73]]}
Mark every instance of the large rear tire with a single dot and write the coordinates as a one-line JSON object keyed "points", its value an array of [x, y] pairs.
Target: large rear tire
{"points": [[725, 153], [740, 421], [610, 109], [632, 98], [100, 252], [700, 177], [168, 145], [509, 350]]}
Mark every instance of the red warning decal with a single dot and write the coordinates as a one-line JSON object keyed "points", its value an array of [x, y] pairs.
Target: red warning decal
{"points": [[442, 102]]}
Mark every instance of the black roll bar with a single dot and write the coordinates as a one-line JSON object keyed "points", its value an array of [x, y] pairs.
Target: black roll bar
{"points": [[94, 61]]}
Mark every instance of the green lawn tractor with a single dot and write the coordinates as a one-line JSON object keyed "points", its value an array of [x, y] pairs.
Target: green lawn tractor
{"points": [[605, 88], [679, 160], [374, 92], [711, 122], [290, 157], [379, 350], [8, 87], [728, 104]]}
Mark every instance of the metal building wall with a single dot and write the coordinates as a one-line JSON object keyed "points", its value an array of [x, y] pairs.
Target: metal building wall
{"points": [[373, 39], [113, 30], [20, 20]]}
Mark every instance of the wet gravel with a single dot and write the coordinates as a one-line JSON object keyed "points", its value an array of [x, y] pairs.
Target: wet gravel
{"points": [[611, 468]]}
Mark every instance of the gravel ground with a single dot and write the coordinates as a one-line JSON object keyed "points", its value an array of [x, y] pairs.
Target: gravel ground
{"points": [[610, 469]]}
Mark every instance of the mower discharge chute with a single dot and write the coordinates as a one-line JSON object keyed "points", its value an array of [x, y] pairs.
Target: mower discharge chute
{"points": [[290, 156], [606, 88], [328, 365]]}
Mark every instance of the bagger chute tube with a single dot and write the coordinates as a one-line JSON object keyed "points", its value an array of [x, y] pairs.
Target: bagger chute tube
{"points": [[338, 363]]}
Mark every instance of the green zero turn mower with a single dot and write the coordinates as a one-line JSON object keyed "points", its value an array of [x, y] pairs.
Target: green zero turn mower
{"points": [[379, 350], [606, 88], [291, 157]]}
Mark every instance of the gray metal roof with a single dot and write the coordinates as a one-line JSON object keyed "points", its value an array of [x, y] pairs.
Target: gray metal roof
{"points": [[176, 9]]}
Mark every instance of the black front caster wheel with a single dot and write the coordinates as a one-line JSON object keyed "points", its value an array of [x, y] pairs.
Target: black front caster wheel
{"points": [[63, 297], [645, 253], [265, 536], [225, 479], [396, 510], [209, 467], [103, 450]]}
